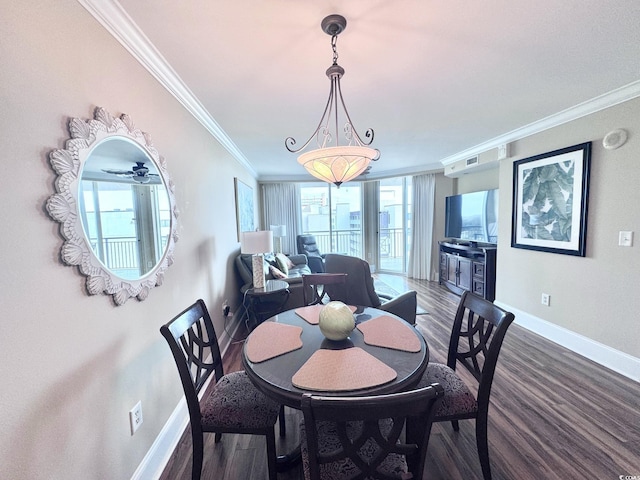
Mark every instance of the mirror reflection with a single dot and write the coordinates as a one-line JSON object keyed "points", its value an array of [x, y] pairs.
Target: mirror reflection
{"points": [[115, 203], [124, 206]]}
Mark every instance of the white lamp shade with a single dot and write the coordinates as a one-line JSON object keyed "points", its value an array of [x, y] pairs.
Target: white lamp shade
{"points": [[337, 164], [256, 242], [278, 230]]}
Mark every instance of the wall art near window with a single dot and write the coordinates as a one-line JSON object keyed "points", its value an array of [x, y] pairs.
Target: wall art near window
{"points": [[244, 207], [550, 197]]}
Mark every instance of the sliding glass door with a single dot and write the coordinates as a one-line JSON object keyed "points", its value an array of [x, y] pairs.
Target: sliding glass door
{"points": [[339, 218], [334, 216], [394, 224]]}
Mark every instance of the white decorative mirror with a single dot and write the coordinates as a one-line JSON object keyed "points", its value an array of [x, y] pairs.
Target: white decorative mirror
{"points": [[116, 206]]}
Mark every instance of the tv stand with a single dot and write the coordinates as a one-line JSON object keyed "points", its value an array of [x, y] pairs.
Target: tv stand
{"points": [[468, 266]]}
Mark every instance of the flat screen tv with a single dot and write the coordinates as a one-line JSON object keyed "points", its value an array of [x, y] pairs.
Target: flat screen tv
{"points": [[472, 217]]}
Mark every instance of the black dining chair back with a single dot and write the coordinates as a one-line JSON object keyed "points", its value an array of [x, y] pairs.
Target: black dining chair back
{"points": [[230, 404], [361, 437], [477, 335], [316, 287]]}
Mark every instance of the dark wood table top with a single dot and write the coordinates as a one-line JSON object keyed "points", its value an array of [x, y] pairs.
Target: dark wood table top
{"points": [[273, 376]]}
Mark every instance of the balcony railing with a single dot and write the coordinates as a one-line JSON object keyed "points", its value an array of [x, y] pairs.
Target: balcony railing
{"points": [[349, 242], [119, 254], [346, 242]]}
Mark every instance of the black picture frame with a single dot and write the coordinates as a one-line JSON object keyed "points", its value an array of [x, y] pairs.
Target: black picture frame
{"points": [[550, 201]]}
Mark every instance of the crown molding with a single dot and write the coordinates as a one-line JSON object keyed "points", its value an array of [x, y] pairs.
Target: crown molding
{"points": [[111, 15], [615, 97]]}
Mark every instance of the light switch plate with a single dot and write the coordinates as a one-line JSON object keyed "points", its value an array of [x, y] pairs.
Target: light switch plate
{"points": [[625, 239]]}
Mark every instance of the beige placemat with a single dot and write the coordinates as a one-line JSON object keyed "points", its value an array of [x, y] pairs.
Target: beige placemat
{"points": [[340, 370], [271, 339], [312, 313], [385, 331]]}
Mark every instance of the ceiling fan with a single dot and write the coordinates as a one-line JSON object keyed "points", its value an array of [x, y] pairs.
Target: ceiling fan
{"points": [[138, 173]]}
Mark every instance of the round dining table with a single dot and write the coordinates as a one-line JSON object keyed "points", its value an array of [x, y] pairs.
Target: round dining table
{"points": [[274, 376]]}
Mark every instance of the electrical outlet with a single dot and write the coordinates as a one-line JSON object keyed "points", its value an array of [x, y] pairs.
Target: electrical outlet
{"points": [[135, 417], [226, 309], [546, 299]]}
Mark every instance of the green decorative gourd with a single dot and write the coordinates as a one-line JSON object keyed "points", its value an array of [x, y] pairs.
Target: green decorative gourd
{"points": [[336, 321]]}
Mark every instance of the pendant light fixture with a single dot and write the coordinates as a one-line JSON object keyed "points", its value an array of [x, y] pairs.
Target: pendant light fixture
{"points": [[332, 162]]}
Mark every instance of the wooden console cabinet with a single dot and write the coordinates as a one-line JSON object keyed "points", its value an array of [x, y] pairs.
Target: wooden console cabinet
{"points": [[467, 266]]}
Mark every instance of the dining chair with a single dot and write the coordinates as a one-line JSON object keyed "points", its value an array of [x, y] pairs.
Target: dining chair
{"points": [[355, 437], [315, 291], [477, 334], [232, 404]]}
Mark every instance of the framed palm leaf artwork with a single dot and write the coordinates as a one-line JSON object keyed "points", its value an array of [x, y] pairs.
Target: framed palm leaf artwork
{"points": [[550, 198]]}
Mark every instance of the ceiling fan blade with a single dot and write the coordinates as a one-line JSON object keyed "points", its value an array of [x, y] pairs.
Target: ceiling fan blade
{"points": [[118, 172]]}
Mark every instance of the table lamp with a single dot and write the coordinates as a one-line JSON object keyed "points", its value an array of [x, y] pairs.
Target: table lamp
{"points": [[279, 231], [257, 243]]}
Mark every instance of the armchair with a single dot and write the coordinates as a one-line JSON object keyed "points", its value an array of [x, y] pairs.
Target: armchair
{"points": [[360, 289], [307, 246]]}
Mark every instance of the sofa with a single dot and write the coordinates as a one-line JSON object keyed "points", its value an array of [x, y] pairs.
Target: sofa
{"points": [[288, 268]]}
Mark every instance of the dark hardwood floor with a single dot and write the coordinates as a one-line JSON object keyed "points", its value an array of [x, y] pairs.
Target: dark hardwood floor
{"points": [[554, 414]]}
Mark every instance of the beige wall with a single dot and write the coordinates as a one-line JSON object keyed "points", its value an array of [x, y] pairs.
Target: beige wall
{"points": [[483, 180], [596, 296], [72, 364]]}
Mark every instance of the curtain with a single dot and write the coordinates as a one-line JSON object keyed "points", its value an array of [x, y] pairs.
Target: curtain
{"points": [[423, 201], [281, 203]]}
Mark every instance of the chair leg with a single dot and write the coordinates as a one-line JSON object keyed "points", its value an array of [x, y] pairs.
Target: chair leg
{"points": [[197, 454], [483, 447], [455, 425], [281, 422], [271, 455], [217, 438]]}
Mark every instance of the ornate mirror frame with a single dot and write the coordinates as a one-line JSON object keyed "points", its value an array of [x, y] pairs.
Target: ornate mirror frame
{"points": [[63, 206]]}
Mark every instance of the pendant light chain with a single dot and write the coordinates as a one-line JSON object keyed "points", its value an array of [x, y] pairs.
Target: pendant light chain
{"points": [[334, 41]]}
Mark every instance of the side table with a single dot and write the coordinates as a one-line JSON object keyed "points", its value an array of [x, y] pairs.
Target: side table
{"points": [[262, 303]]}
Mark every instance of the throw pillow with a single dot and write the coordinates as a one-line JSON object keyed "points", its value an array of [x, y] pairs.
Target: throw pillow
{"points": [[290, 263], [270, 258], [284, 263], [277, 273]]}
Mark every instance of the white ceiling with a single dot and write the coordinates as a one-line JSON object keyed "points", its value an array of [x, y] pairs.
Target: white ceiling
{"points": [[436, 80]]}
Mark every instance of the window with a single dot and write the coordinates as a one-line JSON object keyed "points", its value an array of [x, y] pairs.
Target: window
{"points": [[394, 223], [334, 216], [114, 219]]}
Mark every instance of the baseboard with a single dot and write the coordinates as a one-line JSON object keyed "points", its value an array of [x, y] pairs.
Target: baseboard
{"points": [[608, 357], [156, 459], [158, 456]]}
